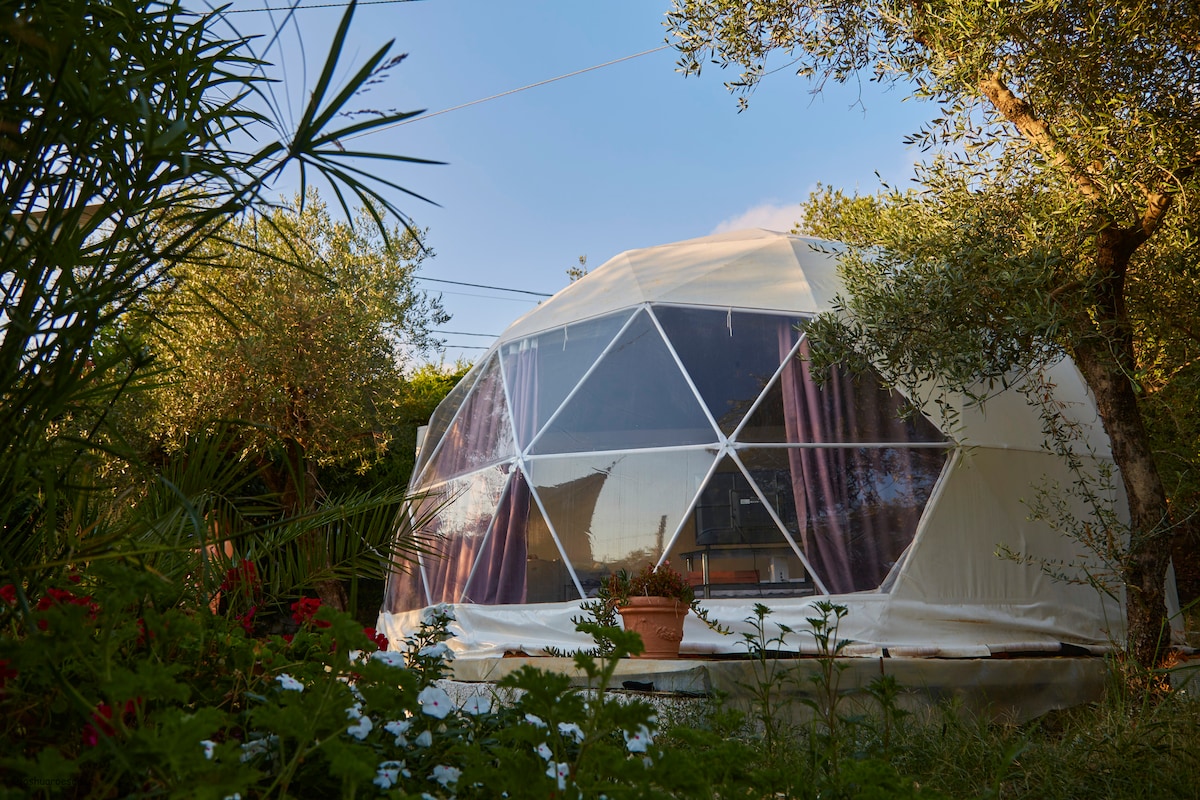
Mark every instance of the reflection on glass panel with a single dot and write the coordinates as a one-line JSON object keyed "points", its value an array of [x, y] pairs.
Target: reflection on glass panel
{"points": [[730, 356], [541, 370], [464, 510], [498, 576], [480, 435], [856, 509], [617, 512], [845, 408], [547, 578], [442, 416], [732, 547], [637, 397]]}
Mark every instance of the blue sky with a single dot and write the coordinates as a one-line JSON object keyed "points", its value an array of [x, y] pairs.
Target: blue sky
{"points": [[626, 156]]}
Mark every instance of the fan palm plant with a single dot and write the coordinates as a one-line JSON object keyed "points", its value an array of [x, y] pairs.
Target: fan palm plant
{"points": [[127, 129]]}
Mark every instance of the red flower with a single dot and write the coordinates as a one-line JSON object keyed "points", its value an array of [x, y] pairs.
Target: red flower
{"points": [[305, 609], [101, 724], [8, 593], [248, 620], [243, 577], [379, 639], [56, 597]]}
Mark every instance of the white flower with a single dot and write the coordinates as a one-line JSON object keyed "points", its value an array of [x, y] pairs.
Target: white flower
{"points": [[535, 720], [560, 770], [360, 729], [571, 729], [208, 746], [354, 711], [393, 658], [435, 702], [425, 739], [477, 704], [258, 746], [639, 740], [398, 728], [440, 612], [445, 775], [288, 683], [439, 650], [387, 773], [544, 751], [234, 796]]}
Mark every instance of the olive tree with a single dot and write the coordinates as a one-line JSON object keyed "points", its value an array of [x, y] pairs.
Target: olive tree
{"points": [[1057, 198], [297, 328]]}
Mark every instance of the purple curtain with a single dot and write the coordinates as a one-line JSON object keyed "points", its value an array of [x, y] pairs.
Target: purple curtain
{"points": [[850, 534], [521, 375], [490, 568], [480, 435], [500, 574]]}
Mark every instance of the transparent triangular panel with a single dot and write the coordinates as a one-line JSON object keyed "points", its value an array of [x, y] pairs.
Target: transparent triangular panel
{"points": [[853, 509], [730, 356], [732, 546], [498, 575], [453, 521], [845, 408], [636, 397], [617, 511], [481, 434], [547, 577], [541, 370], [441, 418]]}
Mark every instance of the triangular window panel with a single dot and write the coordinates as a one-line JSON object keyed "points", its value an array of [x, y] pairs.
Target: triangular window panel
{"points": [[617, 511], [541, 370], [853, 509], [498, 576], [635, 398], [733, 546], [442, 416], [453, 522], [547, 577], [846, 408], [730, 356], [481, 434]]}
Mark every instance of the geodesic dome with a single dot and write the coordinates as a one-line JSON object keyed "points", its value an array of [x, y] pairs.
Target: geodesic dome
{"points": [[661, 409]]}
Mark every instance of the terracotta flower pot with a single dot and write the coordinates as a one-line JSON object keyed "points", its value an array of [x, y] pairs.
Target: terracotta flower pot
{"points": [[659, 620]]}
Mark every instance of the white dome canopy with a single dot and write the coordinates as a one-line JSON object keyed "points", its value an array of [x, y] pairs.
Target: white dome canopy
{"points": [[661, 408]]}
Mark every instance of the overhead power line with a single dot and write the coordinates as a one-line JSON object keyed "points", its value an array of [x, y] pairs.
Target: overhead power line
{"points": [[316, 5], [464, 333], [483, 286], [510, 91]]}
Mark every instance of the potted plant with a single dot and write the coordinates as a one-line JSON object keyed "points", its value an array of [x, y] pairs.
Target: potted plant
{"points": [[653, 602]]}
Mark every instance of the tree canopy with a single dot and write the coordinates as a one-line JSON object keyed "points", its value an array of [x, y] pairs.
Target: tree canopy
{"points": [[129, 128], [299, 326], [1053, 215]]}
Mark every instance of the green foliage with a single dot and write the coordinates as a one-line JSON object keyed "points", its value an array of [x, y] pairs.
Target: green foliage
{"points": [[650, 581], [298, 326], [123, 143], [1052, 216]]}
